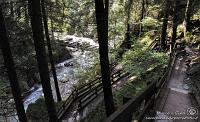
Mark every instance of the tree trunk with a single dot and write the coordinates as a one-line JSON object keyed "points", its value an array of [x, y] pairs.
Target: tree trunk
{"points": [[142, 10], [51, 21], [142, 15], [127, 34], [11, 9], [164, 26], [9, 63], [38, 37], [175, 24], [103, 52], [188, 11], [26, 12], [53, 69]]}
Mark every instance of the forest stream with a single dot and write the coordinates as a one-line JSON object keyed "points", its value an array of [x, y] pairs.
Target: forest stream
{"points": [[84, 52]]}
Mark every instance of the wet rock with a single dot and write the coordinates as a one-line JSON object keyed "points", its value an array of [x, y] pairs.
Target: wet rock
{"points": [[69, 64]]}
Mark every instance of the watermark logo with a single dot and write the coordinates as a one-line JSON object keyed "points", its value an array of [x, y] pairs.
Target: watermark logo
{"points": [[192, 111], [187, 114]]}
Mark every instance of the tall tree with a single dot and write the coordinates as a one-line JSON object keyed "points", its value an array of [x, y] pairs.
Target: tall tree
{"points": [[101, 16], [53, 69], [9, 63], [38, 37], [142, 10], [142, 14], [164, 26], [175, 23], [128, 7], [188, 12]]}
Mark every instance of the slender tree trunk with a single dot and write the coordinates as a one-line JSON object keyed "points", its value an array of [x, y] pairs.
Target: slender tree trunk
{"points": [[11, 9], [51, 19], [164, 26], [53, 69], [142, 10], [19, 12], [188, 11], [146, 7], [26, 12], [142, 15], [115, 35], [38, 36], [175, 24], [63, 12], [128, 12], [9, 63], [103, 51]]}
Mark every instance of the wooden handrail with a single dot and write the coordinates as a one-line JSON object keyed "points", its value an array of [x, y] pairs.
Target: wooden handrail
{"points": [[125, 112], [85, 94]]}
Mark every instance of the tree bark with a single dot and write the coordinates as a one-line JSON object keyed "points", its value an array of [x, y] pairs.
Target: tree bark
{"points": [[38, 37], [188, 11], [11, 9], [53, 69], [128, 14], [51, 21], [142, 14], [175, 24], [101, 14], [9, 64], [164, 26]]}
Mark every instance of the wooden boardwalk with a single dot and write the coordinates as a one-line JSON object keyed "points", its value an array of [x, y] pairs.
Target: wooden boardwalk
{"points": [[175, 103]]}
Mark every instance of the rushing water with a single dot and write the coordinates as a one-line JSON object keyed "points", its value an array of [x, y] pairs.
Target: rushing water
{"points": [[82, 59], [84, 51]]}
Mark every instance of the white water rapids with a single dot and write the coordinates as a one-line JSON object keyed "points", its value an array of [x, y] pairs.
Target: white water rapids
{"points": [[81, 59], [84, 51]]}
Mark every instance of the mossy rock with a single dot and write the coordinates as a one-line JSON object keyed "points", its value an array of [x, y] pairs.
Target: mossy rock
{"points": [[37, 111], [194, 69]]}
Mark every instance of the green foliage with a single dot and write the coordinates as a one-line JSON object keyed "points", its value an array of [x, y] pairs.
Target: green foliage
{"points": [[196, 15], [97, 115], [146, 41], [5, 90], [140, 61], [73, 17], [190, 38], [154, 10], [116, 22], [151, 24], [86, 75], [130, 89], [37, 112], [180, 30]]}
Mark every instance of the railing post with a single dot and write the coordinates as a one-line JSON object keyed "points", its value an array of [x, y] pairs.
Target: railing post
{"points": [[119, 73], [96, 92], [153, 98], [112, 78], [79, 105], [125, 100], [90, 86], [73, 94]]}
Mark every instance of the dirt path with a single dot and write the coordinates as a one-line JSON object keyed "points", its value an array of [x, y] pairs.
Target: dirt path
{"points": [[176, 104]]}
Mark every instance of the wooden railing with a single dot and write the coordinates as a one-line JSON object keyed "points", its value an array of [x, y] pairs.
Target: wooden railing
{"points": [[139, 105], [86, 93]]}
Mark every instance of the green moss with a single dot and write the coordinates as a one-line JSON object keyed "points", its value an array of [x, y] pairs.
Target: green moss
{"points": [[96, 115], [37, 111], [4, 88]]}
